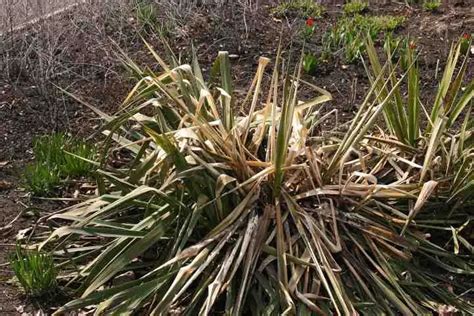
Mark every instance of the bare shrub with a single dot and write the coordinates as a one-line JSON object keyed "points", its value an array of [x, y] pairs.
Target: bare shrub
{"points": [[46, 41]]}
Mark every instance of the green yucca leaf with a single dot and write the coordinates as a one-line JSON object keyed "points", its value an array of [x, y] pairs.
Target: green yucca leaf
{"points": [[464, 100], [226, 98], [434, 141], [413, 103]]}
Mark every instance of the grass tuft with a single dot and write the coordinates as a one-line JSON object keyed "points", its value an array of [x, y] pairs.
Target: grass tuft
{"points": [[355, 7], [310, 63], [40, 179], [57, 157], [35, 271], [298, 8], [147, 16], [431, 5], [349, 33]]}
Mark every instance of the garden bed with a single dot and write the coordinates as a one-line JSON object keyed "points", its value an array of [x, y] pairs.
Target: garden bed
{"points": [[31, 107]]}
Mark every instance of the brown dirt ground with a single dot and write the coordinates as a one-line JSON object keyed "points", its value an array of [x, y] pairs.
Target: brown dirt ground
{"points": [[25, 113]]}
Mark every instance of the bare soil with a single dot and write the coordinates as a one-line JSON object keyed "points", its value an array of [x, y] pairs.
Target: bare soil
{"points": [[98, 78]]}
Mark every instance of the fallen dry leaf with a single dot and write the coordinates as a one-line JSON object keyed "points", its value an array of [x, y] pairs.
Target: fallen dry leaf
{"points": [[22, 233], [447, 310]]}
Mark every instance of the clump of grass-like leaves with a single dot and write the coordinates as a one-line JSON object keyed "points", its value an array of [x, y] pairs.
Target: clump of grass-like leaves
{"points": [[405, 109], [261, 213], [67, 154], [146, 14], [355, 6], [431, 5], [35, 271], [40, 179], [57, 157], [403, 113], [310, 63], [349, 33], [298, 8]]}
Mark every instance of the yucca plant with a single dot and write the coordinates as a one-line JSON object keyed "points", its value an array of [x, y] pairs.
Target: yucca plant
{"points": [[261, 213], [403, 115], [35, 271]]}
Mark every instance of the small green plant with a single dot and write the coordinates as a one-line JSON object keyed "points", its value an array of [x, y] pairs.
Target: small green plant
{"points": [[298, 8], [395, 48], [57, 156], [353, 47], [35, 271], [40, 179], [431, 5], [382, 22], [349, 33], [310, 63], [356, 6], [48, 149], [74, 166], [146, 14], [59, 151]]}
